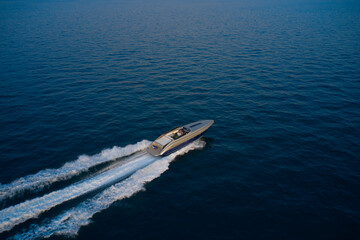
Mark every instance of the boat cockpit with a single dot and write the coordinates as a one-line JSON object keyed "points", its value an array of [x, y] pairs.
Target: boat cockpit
{"points": [[179, 133]]}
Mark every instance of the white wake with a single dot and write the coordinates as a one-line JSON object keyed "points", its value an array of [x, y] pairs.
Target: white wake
{"points": [[46, 177], [142, 169], [14, 215]]}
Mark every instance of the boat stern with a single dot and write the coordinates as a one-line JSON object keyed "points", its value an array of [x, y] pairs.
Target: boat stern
{"points": [[154, 149]]}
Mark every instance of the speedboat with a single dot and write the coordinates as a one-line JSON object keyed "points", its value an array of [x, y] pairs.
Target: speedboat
{"points": [[178, 138]]}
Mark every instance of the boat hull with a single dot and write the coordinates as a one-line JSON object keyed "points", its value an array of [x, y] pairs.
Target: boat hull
{"points": [[180, 146], [167, 144]]}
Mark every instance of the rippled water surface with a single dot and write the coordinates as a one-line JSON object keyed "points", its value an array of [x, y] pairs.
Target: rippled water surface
{"points": [[86, 85]]}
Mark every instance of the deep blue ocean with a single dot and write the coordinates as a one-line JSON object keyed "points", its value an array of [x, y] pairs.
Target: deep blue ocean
{"points": [[86, 85]]}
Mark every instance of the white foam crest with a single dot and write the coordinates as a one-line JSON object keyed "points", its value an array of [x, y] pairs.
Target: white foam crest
{"points": [[46, 177], [69, 222], [14, 215]]}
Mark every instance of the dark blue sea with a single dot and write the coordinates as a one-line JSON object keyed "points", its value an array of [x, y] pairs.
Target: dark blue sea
{"points": [[86, 85]]}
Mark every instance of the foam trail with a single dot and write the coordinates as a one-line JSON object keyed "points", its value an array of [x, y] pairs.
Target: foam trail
{"points": [[14, 215], [69, 222], [46, 177]]}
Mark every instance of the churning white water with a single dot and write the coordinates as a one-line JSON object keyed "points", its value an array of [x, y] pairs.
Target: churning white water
{"points": [[142, 169]]}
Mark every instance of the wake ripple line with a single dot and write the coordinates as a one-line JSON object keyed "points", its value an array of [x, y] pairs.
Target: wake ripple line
{"points": [[38, 181], [69, 222], [20, 213]]}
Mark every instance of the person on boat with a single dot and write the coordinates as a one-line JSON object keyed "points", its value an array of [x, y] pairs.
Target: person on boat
{"points": [[181, 132]]}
